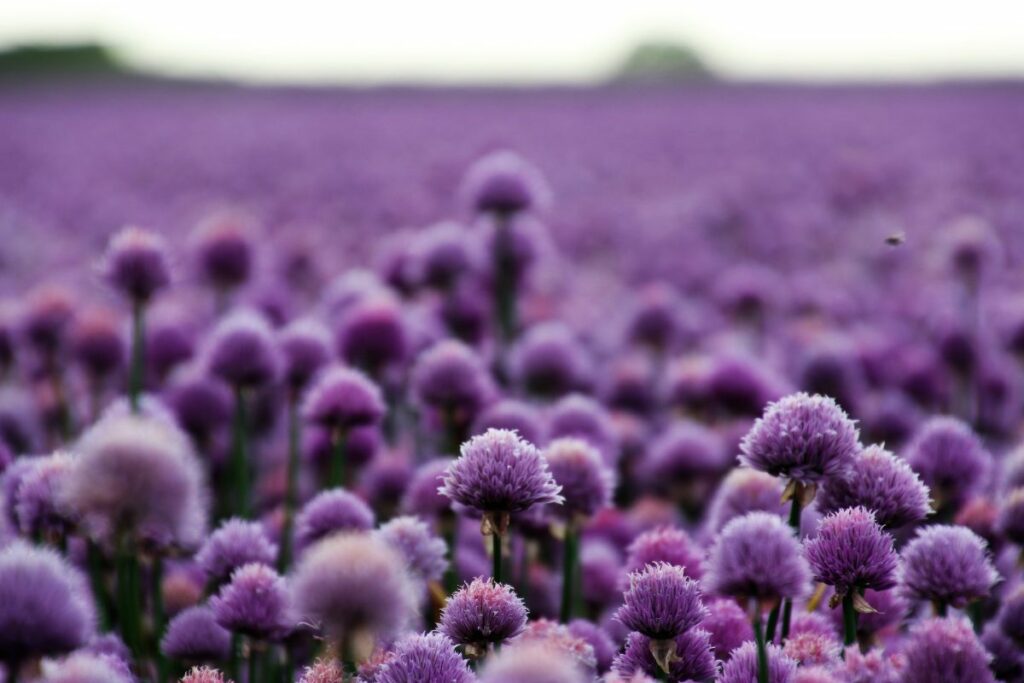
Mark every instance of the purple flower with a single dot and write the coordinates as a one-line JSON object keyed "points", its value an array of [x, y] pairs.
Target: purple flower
{"points": [[86, 667], [558, 638], [343, 398], [425, 554], [428, 658], [1011, 616], [656, 321], [744, 490], [236, 542], [948, 565], [38, 504], [97, 344], [812, 649], [136, 264], [851, 552], [46, 605], [1011, 516], [814, 622], [803, 438], [756, 556], [600, 571], [669, 545], [305, 347], [223, 249], [254, 603], [549, 362], [241, 350], [604, 647], [372, 335], [693, 659], [504, 183], [45, 320], [728, 626], [972, 247], [683, 453], [421, 496], [583, 417], [950, 459], [203, 674], [326, 671], [353, 582], [1007, 659], [194, 635], [872, 667], [498, 472], [169, 342], [443, 255], [581, 472], [330, 512], [945, 651], [515, 416], [450, 379], [742, 666], [481, 613], [882, 483], [533, 662], [662, 602], [201, 404]]}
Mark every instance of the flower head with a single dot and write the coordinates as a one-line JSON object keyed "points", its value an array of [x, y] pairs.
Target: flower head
{"points": [[194, 635], [241, 350], [305, 347], [852, 552], [584, 418], [1007, 660], [742, 666], [236, 542], [533, 662], [483, 612], [254, 603], [549, 362], [450, 379], [882, 483], [744, 490], [136, 264], [947, 564], [421, 496], [425, 554], [223, 249], [1011, 616], [684, 452], [1011, 516], [945, 651], [38, 504], [372, 334], [598, 639], [204, 674], [504, 183], [666, 544], [97, 344], [428, 658], [662, 602], [728, 626], [693, 660], [586, 480], [326, 671], [516, 416], [332, 511], [950, 459], [343, 398], [812, 649], [87, 667]]}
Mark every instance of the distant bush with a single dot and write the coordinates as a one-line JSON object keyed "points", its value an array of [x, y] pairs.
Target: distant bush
{"points": [[663, 62]]}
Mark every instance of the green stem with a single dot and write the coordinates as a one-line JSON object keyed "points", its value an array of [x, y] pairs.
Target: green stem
{"points": [[240, 456], [254, 660], [795, 510], [234, 662], [157, 595], [338, 474], [773, 622], [762, 651], [451, 576], [13, 668], [496, 549], [291, 487], [849, 620], [138, 355], [95, 562], [569, 571], [128, 595]]}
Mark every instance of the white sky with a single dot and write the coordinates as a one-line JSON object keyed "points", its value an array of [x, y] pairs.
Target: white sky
{"points": [[546, 40]]}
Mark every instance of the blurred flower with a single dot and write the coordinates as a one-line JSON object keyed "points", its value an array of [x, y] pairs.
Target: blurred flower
{"points": [[305, 347], [742, 666], [727, 625], [330, 512], [947, 565], [234, 543], [945, 651], [586, 482], [343, 398], [693, 659], [254, 603], [424, 553], [950, 459], [669, 545], [195, 636], [882, 483], [429, 658], [223, 248], [241, 350], [136, 264]]}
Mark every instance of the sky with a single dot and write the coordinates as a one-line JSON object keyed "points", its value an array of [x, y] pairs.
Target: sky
{"points": [[469, 41]]}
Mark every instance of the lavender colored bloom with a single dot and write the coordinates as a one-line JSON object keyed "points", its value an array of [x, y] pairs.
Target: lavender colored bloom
{"points": [[813, 622], [136, 264], [236, 542], [97, 344], [600, 571], [742, 666], [428, 658], [727, 625], [945, 651], [46, 318], [343, 398], [882, 483], [1011, 516], [756, 556], [549, 362], [1007, 658], [583, 417], [744, 490], [740, 386], [559, 638], [662, 602], [852, 552], [330, 512], [948, 565], [666, 544], [451, 379], [169, 342], [372, 335], [140, 474], [241, 350], [504, 183], [816, 674], [305, 347], [533, 662], [694, 658], [254, 603], [201, 404], [443, 255], [38, 505], [498, 472], [351, 583], [1011, 616], [812, 649], [513, 415], [109, 645], [46, 605], [803, 438], [194, 635], [328, 671], [581, 472], [683, 453], [424, 553], [872, 667], [203, 674], [656, 321], [421, 496], [950, 459], [972, 247], [86, 667], [223, 249], [481, 613], [604, 647]]}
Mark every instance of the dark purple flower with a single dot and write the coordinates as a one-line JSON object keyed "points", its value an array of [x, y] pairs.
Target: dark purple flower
{"points": [[600, 571], [203, 674], [241, 350], [872, 667], [305, 347], [38, 504], [852, 552], [223, 249], [1011, 516], [194, 635], [583, 417], [742, 666], [428, 658], [98, 344], [739, 386], [170, 341], [443, 254], [549, 362], [656, 321], [343, 398], [580, 471], [559, 638], [372, 335], [948, 565], [136, 264], [945, 651], [421, 496], [254, 603], [328, 513], [450, 379], [1011, 616], [48, 313], [950, 459], [669, 545], [504, 183], [802, 438], [201, 404], [882, 483], [236, 542], [693, 659], [972, 247], [744, 490], [425, 554], [662, 602], [481, 613], [516, 416], [1007, 658], [604, 647], [683, 454], [728, 626]]}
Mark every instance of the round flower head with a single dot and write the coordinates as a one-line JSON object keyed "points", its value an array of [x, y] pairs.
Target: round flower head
{"points": [[241, 350], [728, 626], [203, 674], [872, 667], [223, 249], [428, 658], [948, 565], [86, 667], [46, 605], [802, 438], [559, 638], [136, 264], [305, 347], [425, 554], [756, 556], [450, 379], [600, 571], [329, 671], [972, 247], [45, 320], [504, 183], [254, 603], [739, 386], [372, 335], [598, 639], [945, 651], [481, 613], [343, 398], [421, 496], [516, 416], [950, 459], [685, 452], [744, 490], [194, 635], [97, 344], [38, 505], [443, 255], [201, 404], [109, 645], [1011, 516], [1011, 616], [669, 545], [330, 512], [169, 342], [549, 362], [662, 602], [812, 649], [656, 320], [882, 483], [138, 473], [579, 469], [533, 662], [693, 659], [498, 472], [236, 542], [1007, 660], [852, 552], [352, 584], [742, 666]]}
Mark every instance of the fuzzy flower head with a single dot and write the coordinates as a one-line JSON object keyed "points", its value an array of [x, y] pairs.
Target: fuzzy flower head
{"points": [[236, 542], [852, 552], [427, 658], [803, 438], [742, 666], [533, 662], [517, 416], [549, 362], [138, 474], [950, 459], [223, 248], [194, 635], [945, 651], [662, 602], [586, 480], [305, 347], [97, 344], [1011, 616], [744, 490], [666, 544], [685, 452], [87, 667], [450, 379], [585, 418], [727, 625], [325, 671], [425, 554], [481, 613], [812, 649], [136, 264], [947, 564], [46, 605], [204, 674], [599, 640], [241, 350], [372, 334], [421, 497], [756, 556], [332, 511], [38, 504], [255, 603], [343, 398], [504, 183], [694, 658], [1011, 516], [498, 472], [881, 482]]}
